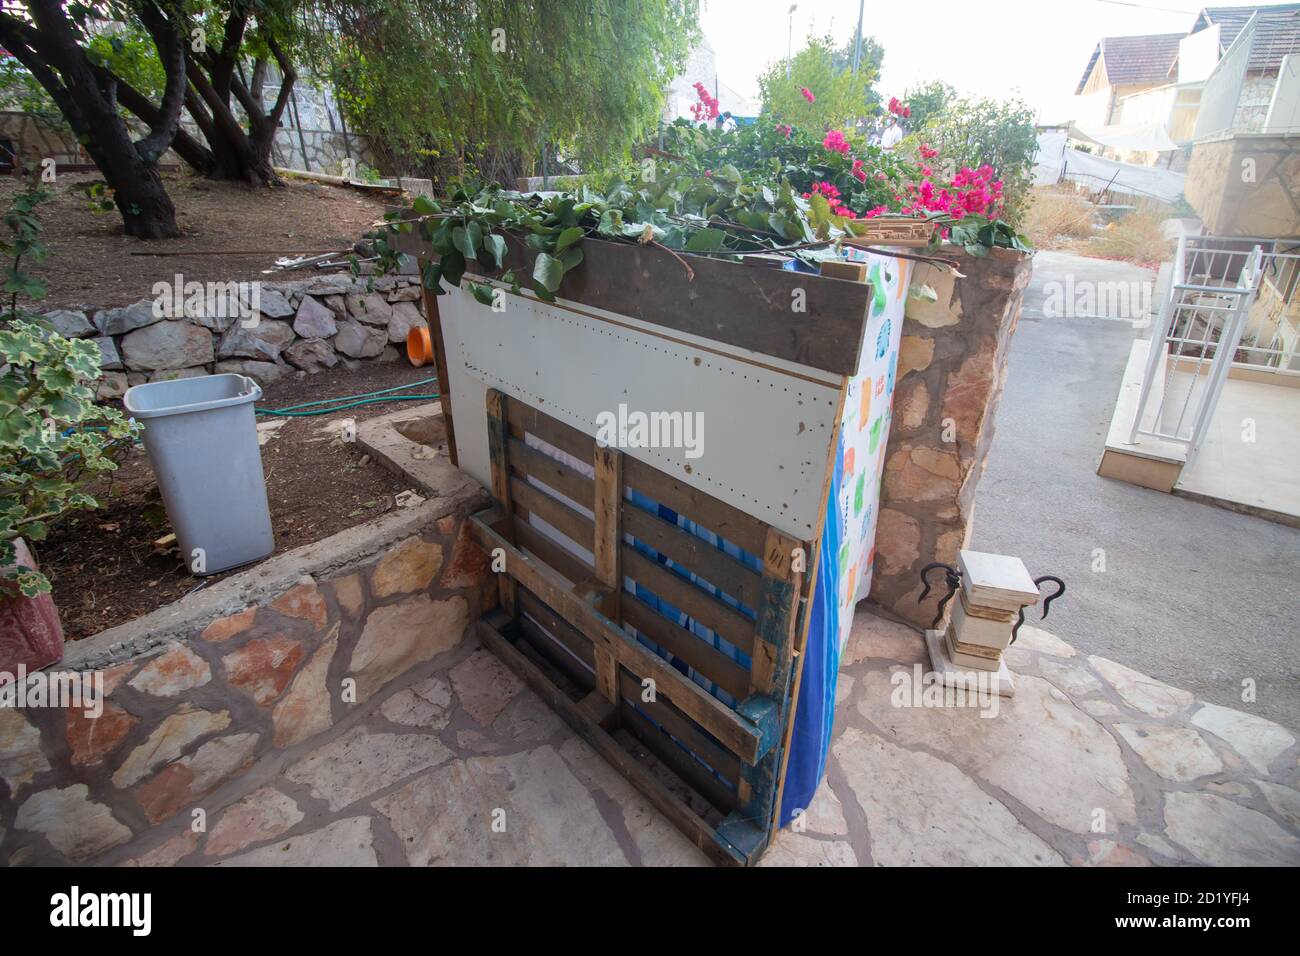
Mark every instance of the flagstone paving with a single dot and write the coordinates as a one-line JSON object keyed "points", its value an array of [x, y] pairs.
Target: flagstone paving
{"points": [[1090, 763]]}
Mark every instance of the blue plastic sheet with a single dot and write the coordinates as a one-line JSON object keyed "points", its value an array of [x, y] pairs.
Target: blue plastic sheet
{"points": [[815, 713]]}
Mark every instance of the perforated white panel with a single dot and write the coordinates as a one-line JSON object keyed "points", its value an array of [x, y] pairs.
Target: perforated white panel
{"points": [[767, 424]]}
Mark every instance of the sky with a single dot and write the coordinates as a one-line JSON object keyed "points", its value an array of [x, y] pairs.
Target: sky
{"points": [[1034, 49]]}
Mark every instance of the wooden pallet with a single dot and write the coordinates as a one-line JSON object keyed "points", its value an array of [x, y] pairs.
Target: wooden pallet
{"points": [[569, 627]]}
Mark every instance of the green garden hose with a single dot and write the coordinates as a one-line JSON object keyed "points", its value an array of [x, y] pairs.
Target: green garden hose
{"points": [[350, 401]]}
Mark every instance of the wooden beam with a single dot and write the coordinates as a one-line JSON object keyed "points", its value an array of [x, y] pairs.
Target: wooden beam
{"points": [[744, 737], [608, 539], [695, 827], [724, 520], [562, 435], [690, 598], [498, 451], [535, 464], [777, 613], [434, 319], [753, 309], [574, 525], [708, 561], [686, 646]]}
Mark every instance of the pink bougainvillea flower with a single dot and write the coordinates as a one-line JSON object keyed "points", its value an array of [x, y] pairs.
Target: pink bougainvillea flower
{"points": [[707, 107], [836, 142], [928, 152], [808, 95]]}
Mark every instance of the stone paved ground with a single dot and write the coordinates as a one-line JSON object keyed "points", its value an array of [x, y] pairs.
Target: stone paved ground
{"points": [[1192, 594], [1090, 763]]}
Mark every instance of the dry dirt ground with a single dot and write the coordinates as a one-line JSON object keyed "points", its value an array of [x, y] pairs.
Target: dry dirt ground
{"points": [[103, 564], [92, 263]]}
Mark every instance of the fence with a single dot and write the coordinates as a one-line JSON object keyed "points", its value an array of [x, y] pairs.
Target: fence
{"points": [[1231, 305]]}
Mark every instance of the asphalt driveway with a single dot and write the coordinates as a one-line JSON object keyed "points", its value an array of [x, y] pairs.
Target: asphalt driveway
{"points": [[1191, 594]]}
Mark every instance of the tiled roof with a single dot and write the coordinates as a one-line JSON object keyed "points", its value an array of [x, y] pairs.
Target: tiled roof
{"points": [[1140, 59], [1277, 32]]}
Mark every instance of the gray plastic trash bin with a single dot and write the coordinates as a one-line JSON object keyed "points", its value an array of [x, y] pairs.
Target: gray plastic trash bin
{"points": [[201, 435]]}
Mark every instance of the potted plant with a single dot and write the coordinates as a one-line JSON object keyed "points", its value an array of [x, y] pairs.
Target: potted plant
{"points": [[53, 438]]}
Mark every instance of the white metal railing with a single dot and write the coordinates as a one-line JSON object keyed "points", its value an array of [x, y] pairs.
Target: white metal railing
{"points": [[1199, 334]]}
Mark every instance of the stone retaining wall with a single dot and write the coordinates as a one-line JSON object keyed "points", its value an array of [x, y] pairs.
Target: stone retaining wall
{"points": [[1246, 185], [267, 660], [303, 326], [951, 365]]}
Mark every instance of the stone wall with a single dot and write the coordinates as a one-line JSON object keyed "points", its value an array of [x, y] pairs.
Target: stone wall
{"points": [[951, 366], [303, 326], [275, 659], [1246, 185], [34, 139], [1253, 103]]}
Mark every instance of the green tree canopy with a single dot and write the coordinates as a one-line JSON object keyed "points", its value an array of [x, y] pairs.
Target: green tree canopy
{"points": [[486, 84], [973, 131], [928, 100], [820, 68]]}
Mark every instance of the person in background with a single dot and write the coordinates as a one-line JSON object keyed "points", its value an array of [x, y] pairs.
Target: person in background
{"points": [[893, 134]]}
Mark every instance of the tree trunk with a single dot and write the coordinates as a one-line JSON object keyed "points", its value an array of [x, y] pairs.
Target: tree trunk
{"points": [[147, 210], [86, 94]]}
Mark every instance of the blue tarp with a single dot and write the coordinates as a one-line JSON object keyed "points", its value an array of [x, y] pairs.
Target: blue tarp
{"points": [[815, 714]]}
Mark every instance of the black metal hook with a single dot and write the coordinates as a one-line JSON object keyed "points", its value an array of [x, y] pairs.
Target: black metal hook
{"points": [[952, 578], [1047, 601]]}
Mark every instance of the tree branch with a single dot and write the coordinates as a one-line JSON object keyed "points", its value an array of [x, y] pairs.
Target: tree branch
{"points": [[168, 36], [186, 146], [222, 66], [288, 76], [25, 44]]}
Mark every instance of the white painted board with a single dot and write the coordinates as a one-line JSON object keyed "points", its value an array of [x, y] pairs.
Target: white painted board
{"points": [[766, 425]]}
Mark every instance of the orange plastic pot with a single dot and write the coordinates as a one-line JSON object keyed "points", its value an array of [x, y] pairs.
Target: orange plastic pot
{"points": [[419, 347]]}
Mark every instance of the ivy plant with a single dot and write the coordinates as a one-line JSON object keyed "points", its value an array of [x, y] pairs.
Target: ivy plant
{"points": [[53, 437]]}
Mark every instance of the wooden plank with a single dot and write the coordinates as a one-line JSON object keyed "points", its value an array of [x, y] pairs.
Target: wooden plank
{"points": [[727, 302], [741, 736], [608, 539], [777, 613], [529, 461], [434, 320], [608, 517], [606, 674], [498, 434], [689, 647], [676, 759], [843, 269], [572, 524], [550, 650], [551, 430], [709, 512], [717, 567], [685, 596], [601, 709], [662, 711], [559, 558], [568, 636], [683, 817]]}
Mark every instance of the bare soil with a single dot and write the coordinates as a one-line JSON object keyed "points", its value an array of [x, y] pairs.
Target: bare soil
{"points": [[104, 565], [92, 263]]}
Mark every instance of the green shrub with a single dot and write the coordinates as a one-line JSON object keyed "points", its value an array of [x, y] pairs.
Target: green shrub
{"points": [[972, 132], [53, 437]]}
